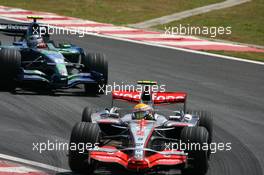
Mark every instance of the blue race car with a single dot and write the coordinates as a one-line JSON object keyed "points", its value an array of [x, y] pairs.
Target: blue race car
{"points": [[34, 60]]}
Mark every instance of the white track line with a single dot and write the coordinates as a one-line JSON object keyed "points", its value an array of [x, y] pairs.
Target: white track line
{"points": [[161, 35], [163, 46], [32, 163], [197, 43], [181, 49], [18, 169]]}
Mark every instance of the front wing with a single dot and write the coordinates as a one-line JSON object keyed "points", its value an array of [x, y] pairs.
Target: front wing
{"points": [[31, 76], [109, 154]]}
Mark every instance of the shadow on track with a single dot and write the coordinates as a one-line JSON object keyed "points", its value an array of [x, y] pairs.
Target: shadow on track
{"points": [[116, 172], [76, 92]]}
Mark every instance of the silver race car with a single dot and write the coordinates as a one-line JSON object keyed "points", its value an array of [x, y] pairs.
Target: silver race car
{"points": [[142, 139]]}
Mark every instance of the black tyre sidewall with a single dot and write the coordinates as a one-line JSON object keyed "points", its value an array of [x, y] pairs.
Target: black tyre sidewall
{"points": [[86, 114], [83, 133], [98, 63], [199, 163], [205, 120]]}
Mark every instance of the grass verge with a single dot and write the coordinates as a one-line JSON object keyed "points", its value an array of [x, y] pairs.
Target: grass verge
{"points": [[110, 11], [246, 20]]}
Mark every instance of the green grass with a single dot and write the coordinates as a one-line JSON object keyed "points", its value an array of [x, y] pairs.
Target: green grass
{"points": [[246, 20], [246, 55], [110, 11]]}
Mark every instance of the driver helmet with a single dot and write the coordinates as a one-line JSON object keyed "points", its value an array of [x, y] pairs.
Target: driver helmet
{"points": [[143, 111], [36, 41]]}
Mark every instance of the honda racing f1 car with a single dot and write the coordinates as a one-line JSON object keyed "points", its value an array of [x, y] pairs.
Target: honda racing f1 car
{"points": [[136, 140], [34, 60]]}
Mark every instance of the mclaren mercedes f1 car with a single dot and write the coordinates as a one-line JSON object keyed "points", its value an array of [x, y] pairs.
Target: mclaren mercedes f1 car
{"points": [[138, 140], [34, 60]]}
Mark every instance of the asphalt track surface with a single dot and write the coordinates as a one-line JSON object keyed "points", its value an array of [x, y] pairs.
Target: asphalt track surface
{"points": [[233, 91]]}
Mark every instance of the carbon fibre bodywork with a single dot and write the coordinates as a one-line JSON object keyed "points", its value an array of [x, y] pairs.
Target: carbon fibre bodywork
{"points": [[142, 143]]}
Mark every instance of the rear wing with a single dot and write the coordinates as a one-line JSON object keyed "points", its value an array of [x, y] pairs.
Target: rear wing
{"points": [[147, 82], [129, 96], [21, 30], [34, 18], [169, 97], [14, 29], [157, 97]]}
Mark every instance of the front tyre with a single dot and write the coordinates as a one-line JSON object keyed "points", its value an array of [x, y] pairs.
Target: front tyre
{"points": [[205, 120], [198, 157], [98, 63], [83, 133], [87, 114]]}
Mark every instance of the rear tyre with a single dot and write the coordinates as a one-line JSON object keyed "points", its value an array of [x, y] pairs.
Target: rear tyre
{"points": [[198, 158], [83, 133], [98, 63], [87, 114], [10, 63]]}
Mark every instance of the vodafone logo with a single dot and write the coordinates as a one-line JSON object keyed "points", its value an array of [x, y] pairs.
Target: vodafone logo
{"points": [[166, 97], [157, 97], [133, 95]]}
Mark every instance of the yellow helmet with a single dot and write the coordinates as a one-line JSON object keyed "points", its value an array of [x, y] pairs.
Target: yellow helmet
{"points": [[140, 106], [143, 111]]}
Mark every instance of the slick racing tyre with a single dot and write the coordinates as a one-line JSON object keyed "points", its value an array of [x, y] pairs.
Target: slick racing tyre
{"points": [[10, 63], [87, 114], [198, 158], [98, 63], [205, 120], [83, 133]]}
